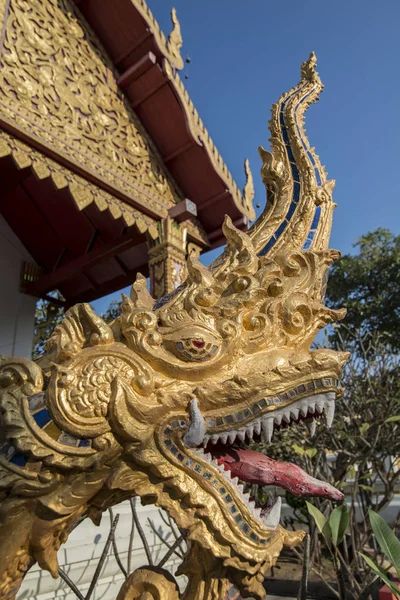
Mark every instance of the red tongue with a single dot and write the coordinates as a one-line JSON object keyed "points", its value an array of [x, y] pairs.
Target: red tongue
{"points": [[254, 467]]}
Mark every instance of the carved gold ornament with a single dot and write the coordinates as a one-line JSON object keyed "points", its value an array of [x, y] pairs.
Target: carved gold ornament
{"points": [[82, 191], [59, 88], [161, 402]]}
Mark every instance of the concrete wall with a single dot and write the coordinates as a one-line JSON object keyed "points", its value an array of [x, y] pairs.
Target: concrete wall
{"points": [[80, 555], [17, 310]]}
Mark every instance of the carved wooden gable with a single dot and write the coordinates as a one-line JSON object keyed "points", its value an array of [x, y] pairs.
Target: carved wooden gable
{"points": [[58, 88]]}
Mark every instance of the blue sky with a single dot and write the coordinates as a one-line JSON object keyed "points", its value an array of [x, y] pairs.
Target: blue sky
{"points": [[244, 54]]}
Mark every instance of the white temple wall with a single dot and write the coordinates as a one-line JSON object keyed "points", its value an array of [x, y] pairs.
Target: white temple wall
{"points": [[17, 311], [80, 555]]}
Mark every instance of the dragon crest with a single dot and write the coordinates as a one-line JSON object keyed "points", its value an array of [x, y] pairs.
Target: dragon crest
{"points": [[162, 402]]}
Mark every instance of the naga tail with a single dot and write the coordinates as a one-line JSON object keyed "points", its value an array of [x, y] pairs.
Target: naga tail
{"points": [[298, 213]]}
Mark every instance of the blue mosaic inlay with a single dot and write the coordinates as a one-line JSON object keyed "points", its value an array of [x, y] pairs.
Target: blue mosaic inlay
{"points": [[291, 210], [84, 444], [296, 192], [290, 154], [296, 177], [19, 459], [268, 246], [295, 173], [165, 299], [281, 228], [309, 241], [317, 215], [42, 417]]}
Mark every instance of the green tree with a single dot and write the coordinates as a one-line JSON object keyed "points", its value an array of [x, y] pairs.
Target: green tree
{"points": [[359, 453], [113, 311], [368, 285], [48, 315]]}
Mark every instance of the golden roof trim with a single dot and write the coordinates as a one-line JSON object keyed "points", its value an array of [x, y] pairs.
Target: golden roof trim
{"points": [[243, 200], [97, 130], [169, 47], [82, 191]]}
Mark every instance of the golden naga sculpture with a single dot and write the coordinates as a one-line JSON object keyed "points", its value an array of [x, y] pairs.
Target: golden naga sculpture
{"points": [[162, 402]]}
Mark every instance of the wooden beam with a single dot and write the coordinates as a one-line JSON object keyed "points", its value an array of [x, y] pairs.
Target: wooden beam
{"points": [[50, 281], [183, 211], [137, 70], [213, 200], [150, 92], [179, 151], [109, 287], [138, 42]]}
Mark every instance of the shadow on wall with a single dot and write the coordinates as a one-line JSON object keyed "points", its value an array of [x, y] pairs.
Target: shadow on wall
{"points": [[96, 560]]}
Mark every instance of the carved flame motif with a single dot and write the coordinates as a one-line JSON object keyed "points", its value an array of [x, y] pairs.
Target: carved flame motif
{"points": [[159, 403]]}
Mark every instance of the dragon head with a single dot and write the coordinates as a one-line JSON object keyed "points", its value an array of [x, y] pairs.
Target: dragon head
{"points": [[166, 399]]}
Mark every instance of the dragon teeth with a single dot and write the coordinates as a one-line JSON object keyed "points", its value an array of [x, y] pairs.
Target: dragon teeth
{"points": [[294, 412], [241, 435], [316, 405], [311, 426], [329, 411], [268, 429], [257, 513], [304, 409], [272, 518]]}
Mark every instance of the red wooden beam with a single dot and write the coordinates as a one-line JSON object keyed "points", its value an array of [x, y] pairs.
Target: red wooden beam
{"points": [[50, 281], [137, 70], [108, 288]]}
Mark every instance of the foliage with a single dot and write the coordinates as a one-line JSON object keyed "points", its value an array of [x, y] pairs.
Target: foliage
{"points": [[368, 285], [358, 455], [113, 311], [390, 546], [333, 529], [48, 315]]}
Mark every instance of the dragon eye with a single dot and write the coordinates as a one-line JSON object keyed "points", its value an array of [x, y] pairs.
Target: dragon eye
{"points": [[198, 343], [193, 344]]}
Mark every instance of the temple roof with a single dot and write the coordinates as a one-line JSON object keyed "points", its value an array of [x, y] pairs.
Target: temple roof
{"points": [[148, 65], [99, 141]]}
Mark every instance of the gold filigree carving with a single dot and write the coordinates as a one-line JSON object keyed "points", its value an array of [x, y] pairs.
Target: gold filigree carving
{"points": [[149, 584], [133, 402], [171, 48], [175, 41], [82, 191], [295, 177], [58, 86], [167, 257]]}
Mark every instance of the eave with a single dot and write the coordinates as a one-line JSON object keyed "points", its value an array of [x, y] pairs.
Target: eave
{"points": [[147, 64]]}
